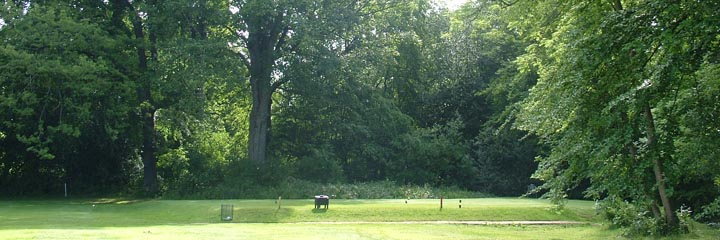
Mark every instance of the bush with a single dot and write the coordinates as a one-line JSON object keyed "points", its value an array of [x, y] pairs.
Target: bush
{"points": [[685, 220], [436, 155], [295, 188], [638, 221], [300, 189], [710, 212], [320, 166]]}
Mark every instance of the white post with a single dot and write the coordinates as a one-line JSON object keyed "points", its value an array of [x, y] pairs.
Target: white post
{"points": [[65, 189]]}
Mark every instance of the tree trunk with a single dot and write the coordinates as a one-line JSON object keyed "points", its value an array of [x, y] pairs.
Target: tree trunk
{"points": [[262, 43], [147, 113], [259, 121], [261, 57], [670, 218], [655, 209], [617, 5], [148, 153]]}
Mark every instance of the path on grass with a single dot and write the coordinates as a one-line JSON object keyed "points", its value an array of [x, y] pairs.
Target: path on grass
{"points": [[458, 222]]}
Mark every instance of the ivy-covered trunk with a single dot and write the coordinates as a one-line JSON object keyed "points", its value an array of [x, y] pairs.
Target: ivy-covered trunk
{"points": [[670, 218]]}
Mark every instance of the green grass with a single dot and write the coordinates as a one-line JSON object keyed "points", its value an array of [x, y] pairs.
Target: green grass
{"points": [[110, 212], [261, 219], [310, 231]]}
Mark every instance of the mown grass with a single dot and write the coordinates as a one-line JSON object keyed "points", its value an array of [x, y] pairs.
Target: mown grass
{"points": [[296, 219], [111, 212], [313, 231]]}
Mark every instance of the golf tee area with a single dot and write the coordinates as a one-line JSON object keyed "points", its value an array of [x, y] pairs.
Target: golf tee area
{"points": [[479, 218]]}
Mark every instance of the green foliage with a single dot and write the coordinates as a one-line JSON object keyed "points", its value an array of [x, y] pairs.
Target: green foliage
{"points": [[710, 212], [505, 161], [436, 156], [397, 97], [329, 105], [361, 92], [294, 188], [608, 99], [67, 105], [637, 221], [320, 166]]}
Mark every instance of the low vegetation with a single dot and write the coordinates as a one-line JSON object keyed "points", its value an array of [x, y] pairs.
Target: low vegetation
{"points": [[299, 189]]}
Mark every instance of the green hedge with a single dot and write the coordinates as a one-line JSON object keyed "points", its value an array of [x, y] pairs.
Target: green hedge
{"points": [[298, 189]]}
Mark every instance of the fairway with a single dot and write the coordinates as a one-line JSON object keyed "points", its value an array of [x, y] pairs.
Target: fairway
{"points": [[311, 231], [296, 219], [124, 213]]}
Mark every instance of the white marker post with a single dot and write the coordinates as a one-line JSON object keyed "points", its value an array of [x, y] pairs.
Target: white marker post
{"points": [[65, 185]]}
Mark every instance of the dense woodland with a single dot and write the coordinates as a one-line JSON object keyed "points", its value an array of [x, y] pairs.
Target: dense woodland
{"points": [[615, 100]]}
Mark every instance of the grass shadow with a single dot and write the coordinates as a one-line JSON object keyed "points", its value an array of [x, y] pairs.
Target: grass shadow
{"points": [[319, 210], [261, 214], [120, 201]]}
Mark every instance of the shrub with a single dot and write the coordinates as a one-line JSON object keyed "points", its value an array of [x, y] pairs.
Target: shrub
{"points": [[638, 221], [320, 166], [685, 220], [294, 188], [710, 212]]}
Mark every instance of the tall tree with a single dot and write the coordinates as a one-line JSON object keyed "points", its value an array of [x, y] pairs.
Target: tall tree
{"points": [[202, 110], [67, 104], [270, 32], [267, 33], [146, 52], [162, 27], [606, 100]]}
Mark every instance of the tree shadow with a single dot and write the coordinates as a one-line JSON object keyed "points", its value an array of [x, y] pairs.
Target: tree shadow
{"points": [[319, 210], [120, 201]]}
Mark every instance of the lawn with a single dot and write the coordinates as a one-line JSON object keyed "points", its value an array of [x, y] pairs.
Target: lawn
{"points": [[296, 219]]}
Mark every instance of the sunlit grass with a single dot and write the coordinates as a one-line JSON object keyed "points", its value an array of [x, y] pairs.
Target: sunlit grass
{"points": [[296, 219], [315, 231], [111, 212]]}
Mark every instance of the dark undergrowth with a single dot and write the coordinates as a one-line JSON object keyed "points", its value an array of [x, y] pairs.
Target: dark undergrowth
{"points": [[301, 189]]}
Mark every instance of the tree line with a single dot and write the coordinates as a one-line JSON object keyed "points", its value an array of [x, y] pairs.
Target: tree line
{"points": [[611, 100]]}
